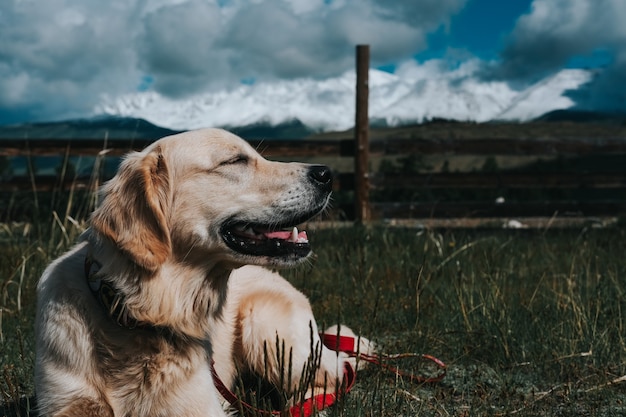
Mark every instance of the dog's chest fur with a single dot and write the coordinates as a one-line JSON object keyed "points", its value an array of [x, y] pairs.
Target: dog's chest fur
{"points": [[155, 370]]}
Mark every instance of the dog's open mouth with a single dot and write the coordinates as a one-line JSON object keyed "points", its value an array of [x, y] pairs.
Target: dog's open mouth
{"points": [[258, 240]]}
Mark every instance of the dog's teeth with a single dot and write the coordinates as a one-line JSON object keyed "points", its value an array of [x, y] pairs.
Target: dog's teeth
{"points": [[294, 235]]}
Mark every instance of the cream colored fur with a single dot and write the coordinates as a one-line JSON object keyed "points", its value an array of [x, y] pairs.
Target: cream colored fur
{"points": [[157, 238]]}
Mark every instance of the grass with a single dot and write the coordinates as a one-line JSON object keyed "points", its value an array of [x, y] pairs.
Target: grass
{"points": [[529, 322]]}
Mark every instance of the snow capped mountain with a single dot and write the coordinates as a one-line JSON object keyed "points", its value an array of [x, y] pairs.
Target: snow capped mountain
{"points": [[545, 96], [413, 94]]}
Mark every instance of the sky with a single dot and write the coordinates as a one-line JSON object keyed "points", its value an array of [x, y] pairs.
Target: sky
{"points": [[61, 59]]}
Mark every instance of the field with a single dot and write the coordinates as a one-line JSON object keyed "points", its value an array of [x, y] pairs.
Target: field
{"points": [[529, 322]]}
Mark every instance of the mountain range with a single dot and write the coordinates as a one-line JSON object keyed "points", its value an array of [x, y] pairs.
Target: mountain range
{"points": [[559, 123], [300, 108], [328, 105]]}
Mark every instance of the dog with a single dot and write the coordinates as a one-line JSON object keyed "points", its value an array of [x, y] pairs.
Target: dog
{"points": [[170, 285]]}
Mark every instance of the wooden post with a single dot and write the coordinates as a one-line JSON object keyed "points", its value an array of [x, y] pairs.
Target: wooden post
{"points": [[361, 136]]}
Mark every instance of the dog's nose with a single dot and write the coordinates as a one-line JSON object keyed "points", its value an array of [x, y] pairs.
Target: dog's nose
{"points": [[321, 176]]}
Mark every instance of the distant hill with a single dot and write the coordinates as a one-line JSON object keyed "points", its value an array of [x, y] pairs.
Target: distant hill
{"points": [[129, 128], [551, 128], [294, 129], [96, 128], [583, 116], [558, 124]]}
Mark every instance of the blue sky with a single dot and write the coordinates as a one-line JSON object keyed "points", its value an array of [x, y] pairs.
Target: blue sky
{"points": [[480, 27], [62, 59]]}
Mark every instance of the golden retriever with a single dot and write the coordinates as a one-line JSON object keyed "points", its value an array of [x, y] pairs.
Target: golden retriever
{"points": [[130, 320]]}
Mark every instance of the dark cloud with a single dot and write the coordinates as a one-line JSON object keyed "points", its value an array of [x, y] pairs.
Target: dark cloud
{"points": [[426, 14], [56, 59], [605, 92], [554, 31], [176, 46], [274, 39], [275, 42]]}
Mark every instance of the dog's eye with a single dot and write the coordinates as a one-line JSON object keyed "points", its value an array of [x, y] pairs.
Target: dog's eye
{"points": [[239, 159]]}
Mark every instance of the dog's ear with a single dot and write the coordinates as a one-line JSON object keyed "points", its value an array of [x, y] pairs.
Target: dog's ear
{"points": [[133, 212]]}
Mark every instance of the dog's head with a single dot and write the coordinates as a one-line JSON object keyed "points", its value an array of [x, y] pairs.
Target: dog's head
{"points": [[208, 195]]}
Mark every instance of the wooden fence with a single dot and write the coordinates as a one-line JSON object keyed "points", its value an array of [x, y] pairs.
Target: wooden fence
{"points": [[611, 184], [423, 194]]}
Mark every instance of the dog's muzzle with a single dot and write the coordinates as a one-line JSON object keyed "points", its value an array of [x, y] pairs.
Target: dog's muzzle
{"points": [[279, 238]]}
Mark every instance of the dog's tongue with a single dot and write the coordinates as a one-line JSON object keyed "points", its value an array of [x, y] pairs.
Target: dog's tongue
{"points": [[293, 236]]}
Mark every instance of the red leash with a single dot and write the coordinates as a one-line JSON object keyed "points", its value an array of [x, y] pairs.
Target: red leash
{"points": [[344, 344]]}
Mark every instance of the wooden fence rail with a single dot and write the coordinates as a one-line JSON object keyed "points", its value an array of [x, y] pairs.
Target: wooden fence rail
{"points": [[508, 180], [338, 147], [117, 147], [493, 210], [345, 181]]}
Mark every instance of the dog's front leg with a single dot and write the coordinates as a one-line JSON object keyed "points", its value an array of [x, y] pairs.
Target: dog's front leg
{"points": [[85, 407]]}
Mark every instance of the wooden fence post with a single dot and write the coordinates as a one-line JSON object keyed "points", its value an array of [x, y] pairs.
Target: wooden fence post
{"points": [[361, 136]]}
